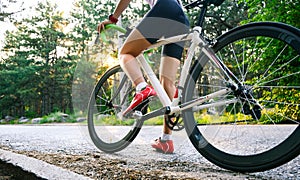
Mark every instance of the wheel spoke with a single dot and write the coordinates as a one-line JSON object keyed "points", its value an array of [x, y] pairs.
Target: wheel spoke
{"points": [[264, 120], [109, 131]]}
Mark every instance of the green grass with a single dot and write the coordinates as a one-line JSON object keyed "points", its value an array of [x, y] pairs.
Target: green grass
{"points": [[114, 121], [205, 118], [269, 116], [56, 117], [227, 118]]}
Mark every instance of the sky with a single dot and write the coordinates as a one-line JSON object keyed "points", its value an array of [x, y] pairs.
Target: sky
{"points": [[63, 5]]}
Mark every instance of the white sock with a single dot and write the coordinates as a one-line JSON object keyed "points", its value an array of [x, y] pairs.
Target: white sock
{"points": [[166, 137], [140, 86]]}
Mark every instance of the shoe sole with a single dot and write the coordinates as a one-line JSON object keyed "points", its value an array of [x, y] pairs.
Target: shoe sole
{"points": [[143, 106], [161, 151]]}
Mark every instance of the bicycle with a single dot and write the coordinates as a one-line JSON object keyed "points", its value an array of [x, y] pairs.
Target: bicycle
{"points": [[238, 96]]}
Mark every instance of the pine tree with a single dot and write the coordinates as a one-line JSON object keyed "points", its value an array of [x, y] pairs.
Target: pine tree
{"points": [[38, 76]]}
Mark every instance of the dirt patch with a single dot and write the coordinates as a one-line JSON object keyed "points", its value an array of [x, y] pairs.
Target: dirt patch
{"points": [[96, 166], [99, 166]]}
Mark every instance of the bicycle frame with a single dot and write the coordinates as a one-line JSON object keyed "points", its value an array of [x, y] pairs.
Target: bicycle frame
{"points": [[170, 107], [234, 109]]}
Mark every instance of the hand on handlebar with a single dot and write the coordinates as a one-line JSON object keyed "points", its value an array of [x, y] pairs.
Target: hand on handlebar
{"points": [[102, 27]]}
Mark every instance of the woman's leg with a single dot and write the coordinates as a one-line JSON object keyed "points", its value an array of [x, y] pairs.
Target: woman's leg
{"points": [[168, 70], [133, 46]]}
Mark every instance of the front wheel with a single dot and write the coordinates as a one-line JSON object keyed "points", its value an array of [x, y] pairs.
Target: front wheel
{"points": [[109, 131], [244, 136]]}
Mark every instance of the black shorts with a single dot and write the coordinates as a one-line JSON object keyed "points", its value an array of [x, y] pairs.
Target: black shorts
{"points": [[165, 19]]}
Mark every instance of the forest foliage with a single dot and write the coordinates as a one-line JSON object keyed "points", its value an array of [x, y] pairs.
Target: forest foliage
{"points": [[48, 63]]}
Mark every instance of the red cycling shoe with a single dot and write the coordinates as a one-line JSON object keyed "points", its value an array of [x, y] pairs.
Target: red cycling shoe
{"points": [[139, 98], [164, 146]]}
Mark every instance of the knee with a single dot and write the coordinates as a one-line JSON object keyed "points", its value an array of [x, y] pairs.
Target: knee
{"points": [[125, 58]]}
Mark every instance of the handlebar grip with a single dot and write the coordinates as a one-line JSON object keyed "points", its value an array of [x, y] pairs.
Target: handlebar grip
{"points": [[116, 27], [102, 35]]}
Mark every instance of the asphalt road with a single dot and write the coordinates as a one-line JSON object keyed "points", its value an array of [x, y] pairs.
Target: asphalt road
{"points": [[74, 139]]}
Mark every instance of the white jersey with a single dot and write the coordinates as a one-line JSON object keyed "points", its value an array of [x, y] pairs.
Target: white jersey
{"points": [[152, 2]]}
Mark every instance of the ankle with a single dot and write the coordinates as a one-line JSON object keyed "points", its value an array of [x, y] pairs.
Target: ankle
{"points": [[166, 137], [140, 86]]}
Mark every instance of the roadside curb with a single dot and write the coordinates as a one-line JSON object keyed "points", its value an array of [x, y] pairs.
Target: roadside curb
{"points": [[38, 167]]}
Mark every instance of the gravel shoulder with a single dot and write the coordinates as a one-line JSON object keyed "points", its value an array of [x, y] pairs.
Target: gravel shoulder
{"points": [[100, 166]]}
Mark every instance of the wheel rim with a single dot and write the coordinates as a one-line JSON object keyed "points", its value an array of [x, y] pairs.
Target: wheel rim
{"points": [[241, 135], [109, 131]]}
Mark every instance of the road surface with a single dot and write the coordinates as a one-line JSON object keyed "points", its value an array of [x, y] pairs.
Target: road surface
{"points": [[66, 140]]}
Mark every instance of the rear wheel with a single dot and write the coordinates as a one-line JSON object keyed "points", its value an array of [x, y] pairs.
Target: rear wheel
{"points": [[109, 131], [244, 136]]}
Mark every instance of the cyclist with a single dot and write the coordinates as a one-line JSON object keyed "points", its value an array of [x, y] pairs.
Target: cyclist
{"points": [[165, 18]]}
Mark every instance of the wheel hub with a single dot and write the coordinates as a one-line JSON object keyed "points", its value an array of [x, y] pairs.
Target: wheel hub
{"points": [[250, 105]]}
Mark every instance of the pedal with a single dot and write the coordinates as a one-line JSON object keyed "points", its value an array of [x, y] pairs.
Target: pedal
{"points": [[143, 106], [212, 110], [137, 115]]}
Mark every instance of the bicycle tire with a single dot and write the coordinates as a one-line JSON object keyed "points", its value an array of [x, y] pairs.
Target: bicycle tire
{"points": [[108, 131], [223, 143]]}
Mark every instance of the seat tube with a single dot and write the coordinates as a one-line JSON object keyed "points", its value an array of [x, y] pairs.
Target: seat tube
{"points": [[190, 54], [162, 95]]}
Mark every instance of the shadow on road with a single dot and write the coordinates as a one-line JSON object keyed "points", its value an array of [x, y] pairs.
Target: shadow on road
{"points": [[11, 172]]}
